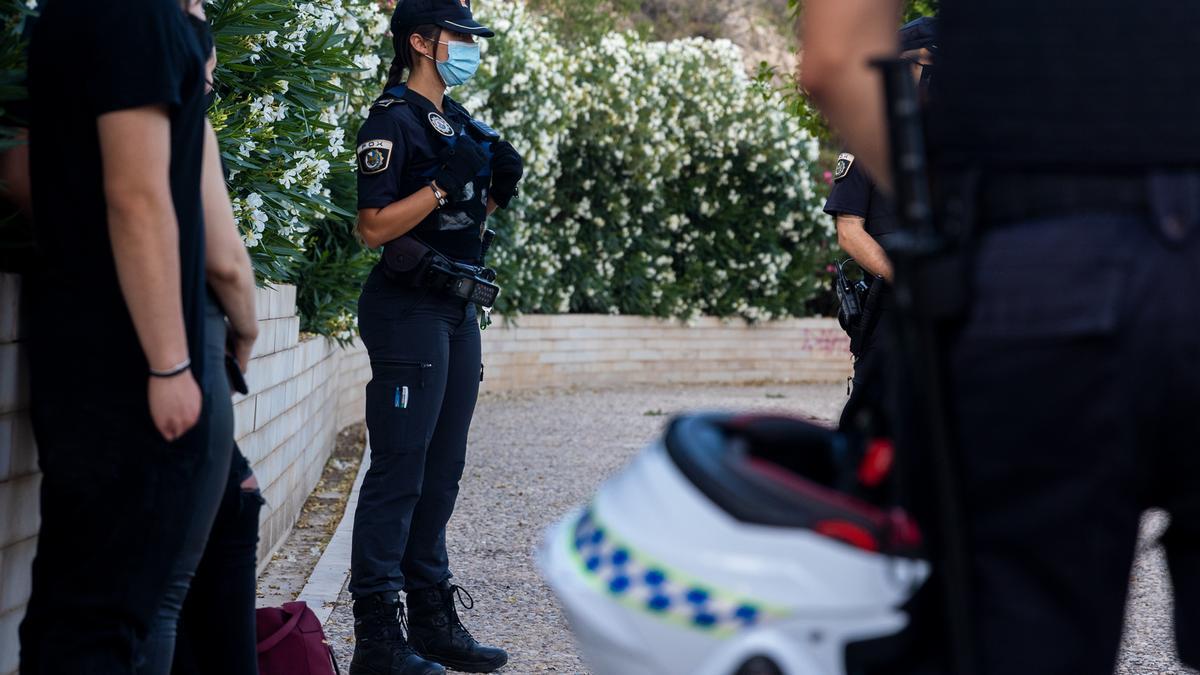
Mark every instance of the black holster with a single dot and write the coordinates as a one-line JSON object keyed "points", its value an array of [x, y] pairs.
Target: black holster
{"points": [[872, 306]]}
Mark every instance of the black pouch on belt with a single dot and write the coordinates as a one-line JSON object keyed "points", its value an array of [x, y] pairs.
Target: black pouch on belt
{"points": [[406, 260]]}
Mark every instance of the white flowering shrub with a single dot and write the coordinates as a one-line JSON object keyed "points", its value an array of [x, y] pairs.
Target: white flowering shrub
{"points": [[660, 178], [292, 83]]}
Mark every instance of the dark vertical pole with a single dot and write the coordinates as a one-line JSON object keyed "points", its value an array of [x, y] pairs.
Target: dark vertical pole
{"points": [[919, 246]]}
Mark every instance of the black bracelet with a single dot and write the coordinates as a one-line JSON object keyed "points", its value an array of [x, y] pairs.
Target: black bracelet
{"points": [[177, 370]]}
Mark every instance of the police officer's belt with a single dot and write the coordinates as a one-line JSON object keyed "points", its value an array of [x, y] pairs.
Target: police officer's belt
{"points": [[1011, 197], [410, 261]]}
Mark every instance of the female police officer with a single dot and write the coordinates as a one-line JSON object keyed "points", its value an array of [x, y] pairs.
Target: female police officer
{"points": [[429, 175]]}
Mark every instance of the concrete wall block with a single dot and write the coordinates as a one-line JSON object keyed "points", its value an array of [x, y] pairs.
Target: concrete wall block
{"points": [[306, 358], [268, 405], [243, 416], [291, 332], [571, 357], [265, 343], [19, 509], [259, 374], [287, 300], [10, 298], [291, 390], [595, 332], [16, 563], [8, 442], [10, 648], [273, 302], [304, 385], [281, 340]]}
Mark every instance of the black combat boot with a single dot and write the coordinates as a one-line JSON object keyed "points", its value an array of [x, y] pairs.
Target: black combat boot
{"points": [[379, 644], [437, 634]]}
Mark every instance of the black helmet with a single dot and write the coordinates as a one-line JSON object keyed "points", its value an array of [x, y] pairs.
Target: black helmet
{"points": [[454, 15]]}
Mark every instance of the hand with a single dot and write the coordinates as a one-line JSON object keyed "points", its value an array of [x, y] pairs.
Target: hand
{"points": [[174, 404], [507, 171], [210, 69], [459, 165], [241, 346]]}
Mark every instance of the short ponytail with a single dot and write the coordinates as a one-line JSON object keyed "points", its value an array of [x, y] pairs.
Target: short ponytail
{"points": [[406, 56]]}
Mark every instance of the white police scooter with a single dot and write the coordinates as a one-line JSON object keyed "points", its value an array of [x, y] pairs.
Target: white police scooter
{"points": [[738, 546]]}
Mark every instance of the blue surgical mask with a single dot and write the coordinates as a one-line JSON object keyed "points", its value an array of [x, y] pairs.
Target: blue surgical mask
{"points": [[461, 64]]}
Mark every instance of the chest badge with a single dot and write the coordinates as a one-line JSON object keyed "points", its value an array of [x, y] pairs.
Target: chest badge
{"points": [[845, 161], [440, 124], [374, 156]]}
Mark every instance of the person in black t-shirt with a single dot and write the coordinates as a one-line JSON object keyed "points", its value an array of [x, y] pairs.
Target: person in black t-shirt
{"points": [[427, 172], [1074, 365], [116, 323]]}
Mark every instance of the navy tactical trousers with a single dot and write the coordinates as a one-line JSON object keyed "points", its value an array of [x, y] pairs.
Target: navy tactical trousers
{"points": [[1074, 385], [425, 366]]}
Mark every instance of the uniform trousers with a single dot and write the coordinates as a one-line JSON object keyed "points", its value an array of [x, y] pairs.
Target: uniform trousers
{"points": [[425, 371], [1073, 388]]}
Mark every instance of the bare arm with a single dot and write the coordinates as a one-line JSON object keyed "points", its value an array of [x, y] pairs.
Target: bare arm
{"points": [[853, 238], [136, 152], [379, 226], [227, 263], [135, 148], [840, 38]]}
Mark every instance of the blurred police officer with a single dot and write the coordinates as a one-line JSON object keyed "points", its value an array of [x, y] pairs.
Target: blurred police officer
{"points": [[867, 225], [428, 177], [1075, 369]]}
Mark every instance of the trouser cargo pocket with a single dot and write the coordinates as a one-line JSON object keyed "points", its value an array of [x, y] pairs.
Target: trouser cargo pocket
{"points": [[391, 394]]}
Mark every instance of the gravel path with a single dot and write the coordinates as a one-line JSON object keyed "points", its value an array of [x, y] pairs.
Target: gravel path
{"points": [[533, 456]]}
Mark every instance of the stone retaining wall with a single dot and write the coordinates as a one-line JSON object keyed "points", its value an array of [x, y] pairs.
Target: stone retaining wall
{"points": [[586, 350]]}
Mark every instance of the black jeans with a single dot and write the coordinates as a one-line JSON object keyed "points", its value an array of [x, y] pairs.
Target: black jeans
{"points": [[425, 365], [216, 628], [115, 502], [1074, 384], [208, 483]]}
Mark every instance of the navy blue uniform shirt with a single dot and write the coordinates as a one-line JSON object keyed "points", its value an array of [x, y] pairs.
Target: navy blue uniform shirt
{"points": [[397, 151], [854, 194]]}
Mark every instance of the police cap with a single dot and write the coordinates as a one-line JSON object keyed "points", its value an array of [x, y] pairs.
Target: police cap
{"points": [[454, 15], [919, 34]]}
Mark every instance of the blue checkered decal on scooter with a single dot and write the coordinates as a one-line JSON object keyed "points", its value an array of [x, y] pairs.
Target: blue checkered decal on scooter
{"points": [[638, 581]]}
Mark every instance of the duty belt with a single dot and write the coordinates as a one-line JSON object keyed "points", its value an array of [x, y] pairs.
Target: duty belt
{"points": [[1012, 197], [410, 261]]}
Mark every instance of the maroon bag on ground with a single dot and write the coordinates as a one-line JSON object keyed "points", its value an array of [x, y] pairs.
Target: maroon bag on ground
{"points": [[291, 642]]}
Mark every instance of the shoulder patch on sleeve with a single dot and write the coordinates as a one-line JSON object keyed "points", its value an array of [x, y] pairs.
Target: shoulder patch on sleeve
{"points": [[844, 162], [388, 102], [374, 156]]}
